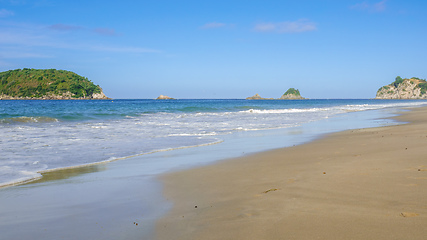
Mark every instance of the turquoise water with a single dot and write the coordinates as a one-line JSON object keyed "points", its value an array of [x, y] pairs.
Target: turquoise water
{"points": [[39, 135], [104, 201]]}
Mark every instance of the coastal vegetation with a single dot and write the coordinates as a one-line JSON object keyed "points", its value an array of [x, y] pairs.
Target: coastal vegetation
{"points": [[292, 94], [292, 91], [46, 84], [423, 87], [398, 80], [404, 88]]}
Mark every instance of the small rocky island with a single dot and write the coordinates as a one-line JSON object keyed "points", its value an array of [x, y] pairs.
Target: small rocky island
{"points": [[44, 84], [258, 97], [163, 97], [412, 88], [290, 94]]}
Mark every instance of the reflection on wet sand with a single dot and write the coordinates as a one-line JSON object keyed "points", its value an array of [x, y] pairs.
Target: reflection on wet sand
{"points": [[66, 173]]}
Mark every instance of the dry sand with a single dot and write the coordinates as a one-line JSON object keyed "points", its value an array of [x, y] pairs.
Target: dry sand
{"points": [[357, 184]]}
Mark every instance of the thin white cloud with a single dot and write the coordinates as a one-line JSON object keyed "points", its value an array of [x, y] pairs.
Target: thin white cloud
{"points": [[20, 54], [120, 49], [64, 27], [29, 38], [16, 2], [105, 31], [265, 27], [371, 7], [6, 13], [299, 26], [4, 64], [380, 6], [360, 6], [213, 25], [68, 28], [21, 38]]}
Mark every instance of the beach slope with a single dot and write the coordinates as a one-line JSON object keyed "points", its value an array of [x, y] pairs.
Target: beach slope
{"points": [[357, 184]]}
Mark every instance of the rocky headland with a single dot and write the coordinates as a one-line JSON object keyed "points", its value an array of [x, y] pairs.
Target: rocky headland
{"points": [[412, 88], [290, 94]]}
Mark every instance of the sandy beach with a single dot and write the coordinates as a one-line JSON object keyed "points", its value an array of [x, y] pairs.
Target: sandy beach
{"points": [[357, 184]]}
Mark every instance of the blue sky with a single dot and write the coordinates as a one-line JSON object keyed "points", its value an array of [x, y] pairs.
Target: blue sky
{"points": [[220, 49]]}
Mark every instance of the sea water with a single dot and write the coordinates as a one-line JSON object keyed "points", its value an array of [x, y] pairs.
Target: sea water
{"points": [[104, 201], [39, 135]]}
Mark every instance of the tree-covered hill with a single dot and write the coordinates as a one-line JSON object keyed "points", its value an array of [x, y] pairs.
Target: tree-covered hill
{"points": [[292, 94], [47, 84], [292, 91]]}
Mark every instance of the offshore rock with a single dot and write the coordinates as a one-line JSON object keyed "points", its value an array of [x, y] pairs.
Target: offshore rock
{"points": [[290, 94], [258, 97], [163, 97]]}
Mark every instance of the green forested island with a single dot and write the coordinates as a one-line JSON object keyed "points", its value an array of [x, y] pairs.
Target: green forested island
{"points": [[47, 84], [292, 93]]}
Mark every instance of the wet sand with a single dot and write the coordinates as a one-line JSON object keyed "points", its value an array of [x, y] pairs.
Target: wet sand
{"points": [[357, 184]]}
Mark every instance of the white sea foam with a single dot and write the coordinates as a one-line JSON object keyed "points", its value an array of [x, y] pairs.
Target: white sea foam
{"points": [[39, 145], [195, 134], [279, 111]]}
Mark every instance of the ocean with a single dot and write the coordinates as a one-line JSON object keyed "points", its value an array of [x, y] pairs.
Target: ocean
{"points": [[125, 145], [41, 135]]}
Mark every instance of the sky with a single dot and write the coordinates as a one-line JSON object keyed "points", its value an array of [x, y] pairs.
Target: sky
{"points": [[220, 49]]}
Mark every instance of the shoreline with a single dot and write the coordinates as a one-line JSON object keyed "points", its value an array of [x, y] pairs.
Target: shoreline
{"points": [[39, 173], [88, 165], [70, 199], [359, 184]]}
